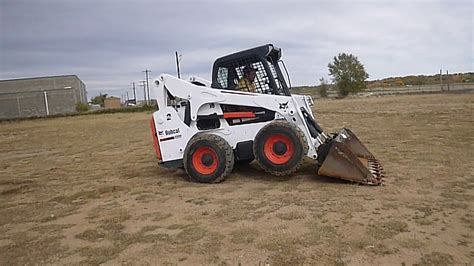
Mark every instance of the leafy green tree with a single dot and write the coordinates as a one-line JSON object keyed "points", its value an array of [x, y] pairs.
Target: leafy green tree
{"points": [[323, 88], [99, 99], [348, 74]]}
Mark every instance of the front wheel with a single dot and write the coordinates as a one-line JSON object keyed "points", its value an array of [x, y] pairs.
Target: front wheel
{"points": [[279, 148], [208, 158]]}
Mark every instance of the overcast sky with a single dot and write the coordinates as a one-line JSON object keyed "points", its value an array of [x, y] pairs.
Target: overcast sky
{"points": [[108, 43]]}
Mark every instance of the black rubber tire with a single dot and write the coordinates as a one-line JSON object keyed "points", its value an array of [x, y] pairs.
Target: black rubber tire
{"points": [[294, 134], [225, 157]]}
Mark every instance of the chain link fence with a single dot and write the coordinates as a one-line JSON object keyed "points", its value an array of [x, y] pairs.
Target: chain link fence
{"points": [[435, 88]]}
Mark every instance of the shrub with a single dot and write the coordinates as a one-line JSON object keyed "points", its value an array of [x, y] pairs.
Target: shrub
{"points": [[323, 88], [82, 107]]}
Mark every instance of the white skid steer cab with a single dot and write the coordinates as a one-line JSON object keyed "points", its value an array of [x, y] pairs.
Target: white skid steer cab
{"points": [[248, 113]]}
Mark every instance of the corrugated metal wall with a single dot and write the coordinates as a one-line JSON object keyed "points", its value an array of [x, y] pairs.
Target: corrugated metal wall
{"points": [[40, 96]]}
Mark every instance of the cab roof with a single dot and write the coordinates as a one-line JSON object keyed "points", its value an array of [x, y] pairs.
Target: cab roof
{"points": [[267, 51]]}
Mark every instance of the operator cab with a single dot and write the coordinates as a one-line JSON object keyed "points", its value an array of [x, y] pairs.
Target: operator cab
{"points": [[229, 70]]}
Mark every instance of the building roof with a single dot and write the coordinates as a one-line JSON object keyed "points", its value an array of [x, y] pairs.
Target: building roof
{"points": [[45, 77], [35, 84]]}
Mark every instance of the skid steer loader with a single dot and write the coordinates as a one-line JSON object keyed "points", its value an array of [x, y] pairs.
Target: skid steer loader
{"points": [[206, 127]]}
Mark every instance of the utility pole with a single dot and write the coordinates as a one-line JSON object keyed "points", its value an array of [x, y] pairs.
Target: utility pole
{"points": [[134, 93], [147, 85], [177, 63], [128, 99], [144, 91]]}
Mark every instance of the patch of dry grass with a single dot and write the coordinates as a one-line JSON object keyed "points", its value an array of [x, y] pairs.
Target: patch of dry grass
{"points": [[411, 243], [293, 215], [239, 210], [282, 242], [318, 233], [91, 235], [40, 245], [77, 197], [112, 229], [155, 216], [244, 235], [189, 235], [34, 212], [385, 230], [436, 258]]}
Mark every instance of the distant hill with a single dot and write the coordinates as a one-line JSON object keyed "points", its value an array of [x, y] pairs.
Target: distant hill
{"points": [[420, 80], [398, 82]]}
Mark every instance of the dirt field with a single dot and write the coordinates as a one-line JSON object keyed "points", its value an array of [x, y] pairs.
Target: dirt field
{"points": [[88, 190]]}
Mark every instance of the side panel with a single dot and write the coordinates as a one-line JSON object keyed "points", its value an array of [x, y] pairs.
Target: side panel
{"points": [[172, 133]]}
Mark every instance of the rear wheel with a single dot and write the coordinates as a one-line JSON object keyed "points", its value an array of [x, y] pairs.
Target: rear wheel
{"points": [[279, 148], [208, 159]]}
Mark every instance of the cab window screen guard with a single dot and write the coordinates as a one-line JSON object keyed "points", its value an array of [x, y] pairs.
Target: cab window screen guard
{"points": [[222, 77], [229, 75]]}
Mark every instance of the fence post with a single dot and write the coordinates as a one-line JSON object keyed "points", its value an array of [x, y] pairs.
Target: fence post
{"points": [[46, 102], [18, 104]]}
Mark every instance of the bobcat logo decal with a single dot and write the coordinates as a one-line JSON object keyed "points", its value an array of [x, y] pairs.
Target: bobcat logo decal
{"points": [[284, 105]]}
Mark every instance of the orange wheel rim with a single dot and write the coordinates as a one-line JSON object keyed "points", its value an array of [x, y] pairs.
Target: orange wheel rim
{"points": [[205, 160], [278, 149]]}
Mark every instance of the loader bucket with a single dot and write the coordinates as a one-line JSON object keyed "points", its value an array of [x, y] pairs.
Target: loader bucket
{"points": [[345, 157], [347, 137]]}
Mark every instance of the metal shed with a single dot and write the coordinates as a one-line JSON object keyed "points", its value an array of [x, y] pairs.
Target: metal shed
{"points": [[40, 96]]}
